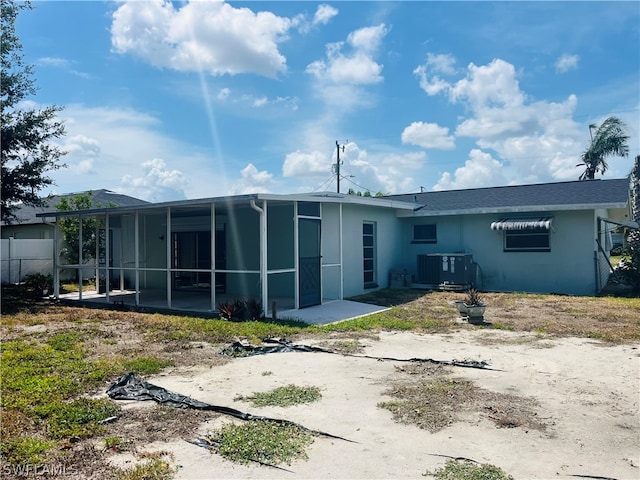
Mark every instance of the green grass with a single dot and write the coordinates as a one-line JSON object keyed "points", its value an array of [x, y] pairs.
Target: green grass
{"points": [[284, 396], [151, 469], [146, 365], [398, 318], [164, 328], [261, 441], [44, 388], [466, 470]]}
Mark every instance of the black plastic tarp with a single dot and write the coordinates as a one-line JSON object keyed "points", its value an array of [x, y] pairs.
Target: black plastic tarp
{"points": [[274, 345], [129, 387]]}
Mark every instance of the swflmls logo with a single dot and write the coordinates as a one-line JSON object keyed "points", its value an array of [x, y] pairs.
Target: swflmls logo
{"points": [[38, 470]]}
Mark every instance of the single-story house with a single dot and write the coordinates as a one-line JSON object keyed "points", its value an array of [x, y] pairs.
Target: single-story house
{"points": [[300, 250], [26, 244]]}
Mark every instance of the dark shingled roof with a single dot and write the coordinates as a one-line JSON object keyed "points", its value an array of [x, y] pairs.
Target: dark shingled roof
{"points": [[26, 214], [544, 196]]}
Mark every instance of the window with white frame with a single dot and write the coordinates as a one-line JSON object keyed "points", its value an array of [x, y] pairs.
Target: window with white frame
{"points": [[425, 233], [369, 254], [534, 239]]}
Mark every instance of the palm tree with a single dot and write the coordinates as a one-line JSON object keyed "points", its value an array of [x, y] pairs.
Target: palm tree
{"points": [[610, 139]]}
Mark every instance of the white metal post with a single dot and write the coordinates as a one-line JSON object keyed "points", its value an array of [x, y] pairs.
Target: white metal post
{"points": [[168, 237], [80, 258], [107, 258], [136, 255], [213, 257]]}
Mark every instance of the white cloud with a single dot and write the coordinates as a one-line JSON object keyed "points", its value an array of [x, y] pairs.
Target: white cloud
{"points": [[304, 165], [567, 62], [252, 180], [535, 141], [61, 63], [243, 100], [251, 173], [367, 39], [112, 143], [209, 36], [386, 172], [54, 62], [324, 14], [428, 135], [81, 145], [157, 183], [480, 170], [355, 67], [341, 77], [81, 151], [441, 63], [382, 171], [488, 86], [260, 102]]}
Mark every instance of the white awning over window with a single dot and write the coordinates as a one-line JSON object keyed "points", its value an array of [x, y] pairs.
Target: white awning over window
{"points": [[522, 223]]}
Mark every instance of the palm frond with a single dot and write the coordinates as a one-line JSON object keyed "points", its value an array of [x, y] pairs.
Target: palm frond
{"points": [[610, 139]]}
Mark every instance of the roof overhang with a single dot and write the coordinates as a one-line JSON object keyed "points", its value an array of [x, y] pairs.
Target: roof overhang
{"points": [[228, 201], [522, 223]]}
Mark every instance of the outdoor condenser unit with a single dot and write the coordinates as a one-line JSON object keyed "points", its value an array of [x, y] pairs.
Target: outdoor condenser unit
{"points": [[446, 269]]}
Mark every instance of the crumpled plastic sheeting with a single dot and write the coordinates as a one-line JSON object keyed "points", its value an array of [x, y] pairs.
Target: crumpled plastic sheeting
{"points": [[129, 387], [237, 349]]}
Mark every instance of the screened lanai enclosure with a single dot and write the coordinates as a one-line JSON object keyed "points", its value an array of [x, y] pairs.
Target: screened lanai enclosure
{"points": [[195, 254]]}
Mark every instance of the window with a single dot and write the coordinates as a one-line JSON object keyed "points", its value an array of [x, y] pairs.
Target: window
{"points": [[369, 254], [424, 234], [535, 239], [309, 209]]}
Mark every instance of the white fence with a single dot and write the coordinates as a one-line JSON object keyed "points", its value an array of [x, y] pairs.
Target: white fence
{"points": [[21, 257]]}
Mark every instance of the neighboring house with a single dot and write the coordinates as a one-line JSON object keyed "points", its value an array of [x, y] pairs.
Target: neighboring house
{"points": [[28, 225], [300, 250], [26, 244]]}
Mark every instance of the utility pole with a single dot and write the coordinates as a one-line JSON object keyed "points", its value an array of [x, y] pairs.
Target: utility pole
{"points": [[336, 168]]}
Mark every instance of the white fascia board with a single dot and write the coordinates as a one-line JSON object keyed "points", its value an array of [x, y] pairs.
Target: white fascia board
{"points": [[509, 210], [339, 198]]}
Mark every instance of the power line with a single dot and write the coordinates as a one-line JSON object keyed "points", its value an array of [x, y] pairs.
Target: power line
{"points": [[327, 182]]}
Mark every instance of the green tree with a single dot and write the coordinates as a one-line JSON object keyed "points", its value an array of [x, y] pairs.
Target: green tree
{"points": [[27, 148], [70, 227], [609, 139]]}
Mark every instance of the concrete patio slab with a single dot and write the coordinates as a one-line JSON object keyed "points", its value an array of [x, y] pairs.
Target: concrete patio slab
{"points": [[332, 311]]}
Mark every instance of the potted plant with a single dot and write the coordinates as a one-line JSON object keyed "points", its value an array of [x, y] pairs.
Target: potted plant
{"points": [[474, 306]]}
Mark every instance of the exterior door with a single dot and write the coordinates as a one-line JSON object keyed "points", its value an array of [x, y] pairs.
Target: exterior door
{"points": [[309, 261]]}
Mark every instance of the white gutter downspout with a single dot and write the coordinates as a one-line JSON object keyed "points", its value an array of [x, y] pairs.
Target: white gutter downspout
{"points": [[263, 250]]}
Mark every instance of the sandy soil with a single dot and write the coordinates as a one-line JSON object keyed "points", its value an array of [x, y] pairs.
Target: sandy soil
{"points": [[585, 396]]}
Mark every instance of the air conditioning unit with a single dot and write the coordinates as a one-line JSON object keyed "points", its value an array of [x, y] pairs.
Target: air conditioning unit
{"points": [[446, 270]]}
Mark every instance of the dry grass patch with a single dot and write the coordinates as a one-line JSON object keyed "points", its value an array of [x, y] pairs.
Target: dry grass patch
{"points": [[610, 319], [427, 396]]}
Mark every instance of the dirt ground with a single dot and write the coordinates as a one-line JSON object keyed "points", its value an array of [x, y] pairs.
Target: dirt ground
{"points": [[549, 407]]}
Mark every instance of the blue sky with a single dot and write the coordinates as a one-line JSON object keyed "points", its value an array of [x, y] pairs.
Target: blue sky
{"points": [[174, 100]]}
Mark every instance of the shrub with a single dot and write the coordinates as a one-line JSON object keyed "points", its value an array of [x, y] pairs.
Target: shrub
{"points": [[473, 297], [630, 264], [39, 283], [239, 310], [232, 310], [253, 309]]}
